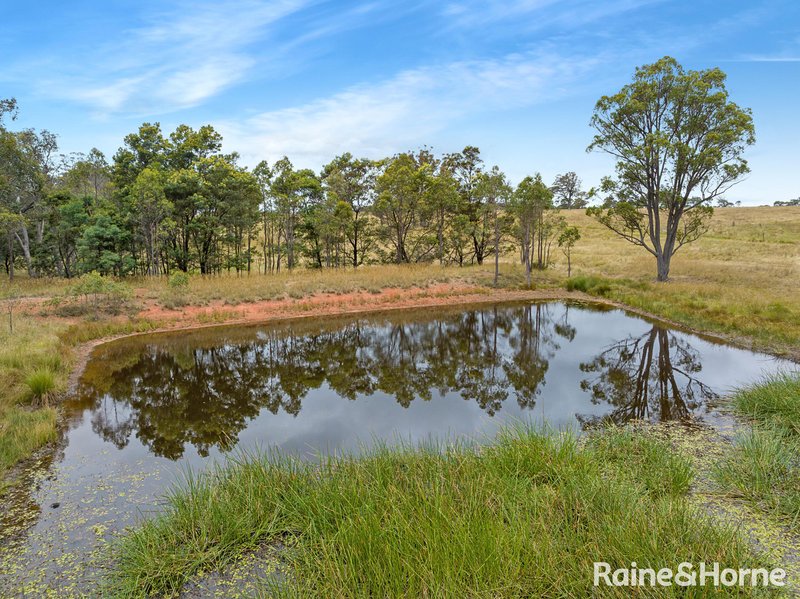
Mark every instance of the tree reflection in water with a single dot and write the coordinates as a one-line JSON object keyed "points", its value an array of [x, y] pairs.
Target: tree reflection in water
{"points": [[174, 395], [203, 389], [653, 376]]}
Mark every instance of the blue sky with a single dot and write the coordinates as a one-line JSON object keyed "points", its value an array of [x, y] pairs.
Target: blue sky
{"points": [[312, 78]]}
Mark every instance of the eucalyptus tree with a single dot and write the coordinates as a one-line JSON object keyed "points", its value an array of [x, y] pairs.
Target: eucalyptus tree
{"points": [[566, 241], [567, 191], [678, 142], [406, 188], [323, 225], [494, 190], [146, 147], [183, 189], [351, 182], [68, 217], [243, 197], [466, 167], [87, 175], [294, 190], [151, 208], [186, 146], [531, 200], [27, 171], [442, 203], [229, 201], [270, 224]]}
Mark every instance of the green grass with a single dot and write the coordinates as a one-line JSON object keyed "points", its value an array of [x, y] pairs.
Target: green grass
{"points": [[41, 383], [22, 431], [33, 364], [763, 466], [588, 284], [774, 402], [524, 517], [88, 331]]}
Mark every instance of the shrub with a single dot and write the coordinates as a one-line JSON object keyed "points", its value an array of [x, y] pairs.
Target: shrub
{"points": [[96, 293], [179, 281]]}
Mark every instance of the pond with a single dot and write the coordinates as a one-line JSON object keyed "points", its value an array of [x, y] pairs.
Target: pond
{"points": [[150, 406]]}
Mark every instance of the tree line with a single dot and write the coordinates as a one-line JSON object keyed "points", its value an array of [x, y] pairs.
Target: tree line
{"points": [[177, 202]]}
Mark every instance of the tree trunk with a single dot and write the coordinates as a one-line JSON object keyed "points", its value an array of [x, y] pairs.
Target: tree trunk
{"points": [[25, 243], [10, 258], [663, 261], [496, 247]]}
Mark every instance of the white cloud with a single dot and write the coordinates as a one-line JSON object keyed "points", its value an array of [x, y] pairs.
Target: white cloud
{"points": [[757, 58], [399, 113], [176, 60]]}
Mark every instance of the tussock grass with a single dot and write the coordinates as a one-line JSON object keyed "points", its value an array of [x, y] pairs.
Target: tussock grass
{"points": [[763, 466], [523, 517], [773, 402], [588, 284], [22, 431], [41, 382], [33, 364]]}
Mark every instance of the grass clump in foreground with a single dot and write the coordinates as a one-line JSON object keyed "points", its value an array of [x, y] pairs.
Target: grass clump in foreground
{"points": [[31, 370], [525, 516], [41, 383], [763, 466]]}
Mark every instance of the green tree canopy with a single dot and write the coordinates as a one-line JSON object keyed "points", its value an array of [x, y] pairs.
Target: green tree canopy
{"points": [[678, 142]]}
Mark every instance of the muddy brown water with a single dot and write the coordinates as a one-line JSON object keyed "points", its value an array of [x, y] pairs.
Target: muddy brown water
{"points": [[151, 407]]}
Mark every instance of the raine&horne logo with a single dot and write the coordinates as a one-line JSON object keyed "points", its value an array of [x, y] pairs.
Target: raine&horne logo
{"points": [[687, 575]]}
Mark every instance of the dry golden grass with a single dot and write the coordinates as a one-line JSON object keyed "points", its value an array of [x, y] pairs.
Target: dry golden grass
{"points": [[741, 279]]}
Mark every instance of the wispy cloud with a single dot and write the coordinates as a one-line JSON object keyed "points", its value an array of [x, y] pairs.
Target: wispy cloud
{"points": [[756, 58], [535, 14], [397, 113], [175, 60]]}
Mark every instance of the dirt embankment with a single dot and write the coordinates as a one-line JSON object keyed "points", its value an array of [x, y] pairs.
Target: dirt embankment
{"points": [[316, 306], [332, 304]]}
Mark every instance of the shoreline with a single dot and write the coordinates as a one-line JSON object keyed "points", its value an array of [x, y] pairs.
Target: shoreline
{"points": [[388, 300]]}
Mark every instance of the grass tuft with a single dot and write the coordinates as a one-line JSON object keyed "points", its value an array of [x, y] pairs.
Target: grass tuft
{"points": [[763, 466], [525, 516], [588, 284], [41, 383], [774, 402]]}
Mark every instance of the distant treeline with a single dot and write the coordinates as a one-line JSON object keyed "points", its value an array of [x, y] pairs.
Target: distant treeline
{"points": [[175, 202]]}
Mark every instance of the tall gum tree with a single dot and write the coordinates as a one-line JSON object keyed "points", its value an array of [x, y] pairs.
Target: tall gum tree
{"points": [[678, 142]]}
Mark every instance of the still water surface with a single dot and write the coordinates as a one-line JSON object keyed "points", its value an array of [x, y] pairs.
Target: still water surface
{"points": [[150, 406]]}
